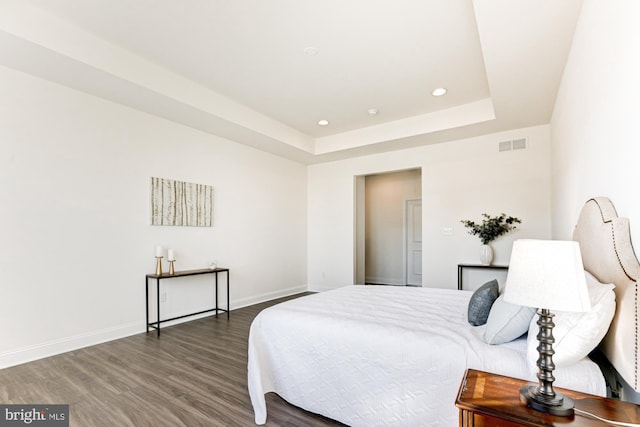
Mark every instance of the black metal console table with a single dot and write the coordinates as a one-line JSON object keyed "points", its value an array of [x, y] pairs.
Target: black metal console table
{"points": [[463, 266], [217, 309]]}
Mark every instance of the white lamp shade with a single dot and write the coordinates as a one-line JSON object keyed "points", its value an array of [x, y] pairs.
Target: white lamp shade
{"points": [[547, 274]]}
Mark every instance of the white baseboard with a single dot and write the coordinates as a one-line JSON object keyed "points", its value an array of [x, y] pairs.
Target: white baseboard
{"points": [[257, 299], [385, 280], [51, 348], [322, 288]]}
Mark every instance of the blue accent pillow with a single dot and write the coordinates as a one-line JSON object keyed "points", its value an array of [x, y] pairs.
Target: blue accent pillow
{"points": [[507, 321], [481, 302]]}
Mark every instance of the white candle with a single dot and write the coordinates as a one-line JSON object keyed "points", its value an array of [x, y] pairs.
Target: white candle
{"points": [[158, 251], [170, 255]]}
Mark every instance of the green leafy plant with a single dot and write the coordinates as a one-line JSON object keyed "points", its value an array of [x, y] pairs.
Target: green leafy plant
{"points": [[491, 227]]}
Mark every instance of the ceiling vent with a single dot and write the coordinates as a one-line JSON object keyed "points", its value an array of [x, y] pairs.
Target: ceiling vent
{"points": [[514, 144], [504, 146], [519, 144]]}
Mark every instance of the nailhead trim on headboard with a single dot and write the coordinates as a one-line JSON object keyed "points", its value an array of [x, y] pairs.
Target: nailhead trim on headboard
{"points": [[586, 231]]}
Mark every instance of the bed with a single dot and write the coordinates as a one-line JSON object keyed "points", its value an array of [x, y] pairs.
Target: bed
{"points": [[376, 355]]}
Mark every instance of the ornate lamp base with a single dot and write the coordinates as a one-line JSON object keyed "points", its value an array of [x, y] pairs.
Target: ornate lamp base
{"points": [[543, 398], [559, 405]]}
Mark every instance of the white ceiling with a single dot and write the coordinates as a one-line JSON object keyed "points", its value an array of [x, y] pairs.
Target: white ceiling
{"points": [[238, 68]]}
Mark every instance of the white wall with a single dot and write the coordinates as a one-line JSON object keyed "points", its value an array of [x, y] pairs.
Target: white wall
{"points": [[76, 239], [460, 180], [595, 124], [595, 129]]}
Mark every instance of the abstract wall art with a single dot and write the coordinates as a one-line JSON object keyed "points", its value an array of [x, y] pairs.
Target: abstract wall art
{"points": [[181, 203]]}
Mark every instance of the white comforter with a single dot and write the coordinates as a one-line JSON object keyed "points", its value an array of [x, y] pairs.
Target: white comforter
{"points": [[378, 355]]}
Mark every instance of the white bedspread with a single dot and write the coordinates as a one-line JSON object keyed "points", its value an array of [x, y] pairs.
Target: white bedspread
{"points": [[382, 355]]}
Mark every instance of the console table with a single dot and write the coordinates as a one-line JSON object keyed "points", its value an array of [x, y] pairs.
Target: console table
{"points": [[463, 266], [217, 309]]}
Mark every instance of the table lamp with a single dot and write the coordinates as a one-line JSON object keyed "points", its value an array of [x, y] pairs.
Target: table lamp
{"points": [[547, 275]]}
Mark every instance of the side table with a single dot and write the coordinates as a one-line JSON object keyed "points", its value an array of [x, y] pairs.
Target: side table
{"points": [[490, 400], [463, 266], [217, 309]]}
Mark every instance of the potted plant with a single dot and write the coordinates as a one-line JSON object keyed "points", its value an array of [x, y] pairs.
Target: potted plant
{"points": [[490, 229]]}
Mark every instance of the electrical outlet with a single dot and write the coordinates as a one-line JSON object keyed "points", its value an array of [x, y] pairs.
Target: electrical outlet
{"points": [[163, 297], [447, 231]]}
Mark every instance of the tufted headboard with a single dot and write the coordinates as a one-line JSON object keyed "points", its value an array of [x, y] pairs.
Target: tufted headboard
{"points": [[607, 253]]}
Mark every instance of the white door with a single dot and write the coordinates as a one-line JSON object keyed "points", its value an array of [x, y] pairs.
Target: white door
{"points": [[413, 242]]}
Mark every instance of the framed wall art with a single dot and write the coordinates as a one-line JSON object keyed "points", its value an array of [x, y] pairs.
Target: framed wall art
{"points": [[180, 203]]}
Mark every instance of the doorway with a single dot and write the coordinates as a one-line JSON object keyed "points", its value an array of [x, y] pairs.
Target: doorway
{"points": [[388, 237]]}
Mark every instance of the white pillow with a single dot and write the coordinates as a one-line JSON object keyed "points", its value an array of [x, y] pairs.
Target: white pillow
{"points": [[576, 334], [507, 321]]}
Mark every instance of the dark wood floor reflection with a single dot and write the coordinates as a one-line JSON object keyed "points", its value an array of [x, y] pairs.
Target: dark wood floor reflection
{"points": [[194, 375]]}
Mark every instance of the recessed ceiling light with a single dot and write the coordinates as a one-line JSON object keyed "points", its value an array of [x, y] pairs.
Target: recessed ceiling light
{"points": [[439, 91], [372, 111], [323, 122], [310, 51]]}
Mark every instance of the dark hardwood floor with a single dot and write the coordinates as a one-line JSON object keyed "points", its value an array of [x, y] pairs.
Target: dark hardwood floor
{"points": [[194, 375]]}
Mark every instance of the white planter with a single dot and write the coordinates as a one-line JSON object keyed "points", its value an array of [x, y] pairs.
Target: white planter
{"points": [[486, 255]]}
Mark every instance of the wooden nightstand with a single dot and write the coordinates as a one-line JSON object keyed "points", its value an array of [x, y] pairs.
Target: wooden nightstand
{"points": [[490, 400]]}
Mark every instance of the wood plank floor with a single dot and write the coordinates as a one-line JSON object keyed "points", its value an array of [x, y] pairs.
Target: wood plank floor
{"points": [[194, 375]]}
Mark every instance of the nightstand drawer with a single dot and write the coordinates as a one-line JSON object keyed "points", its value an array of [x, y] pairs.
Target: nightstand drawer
{"points": [[480, 420]]}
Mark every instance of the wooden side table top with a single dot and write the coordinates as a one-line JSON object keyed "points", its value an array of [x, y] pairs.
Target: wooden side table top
{"points": [[498, 397]]}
